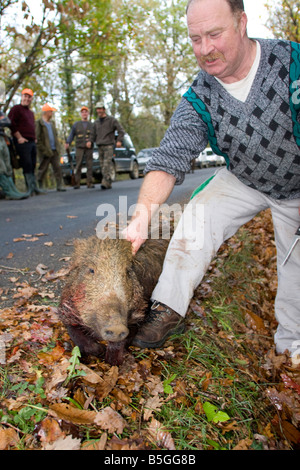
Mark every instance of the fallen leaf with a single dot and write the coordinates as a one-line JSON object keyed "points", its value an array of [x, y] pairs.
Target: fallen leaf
{"points": [[49, 431], [72, 414], [151, 405], [25, 293], [95, 445], [106, 384], [161, 437], [8, 438], [244, 444], [52, 275], [290, 383], [110, 420], [254, 321], [52, 356], [41, 269], [125, 444], [64, 443]]}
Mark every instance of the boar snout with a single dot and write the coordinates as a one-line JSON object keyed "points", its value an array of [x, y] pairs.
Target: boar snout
{"points": [[115, 333]]}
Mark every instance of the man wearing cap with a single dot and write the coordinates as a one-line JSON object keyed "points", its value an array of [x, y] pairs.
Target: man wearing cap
{"points": [[83, 131], [105, 138], [48, 147], [23, 131]]}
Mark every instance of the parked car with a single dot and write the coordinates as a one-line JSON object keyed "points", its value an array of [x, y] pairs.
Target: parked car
{"points": [[220, 160], [144, 156], [208, 158], [124, 161]]}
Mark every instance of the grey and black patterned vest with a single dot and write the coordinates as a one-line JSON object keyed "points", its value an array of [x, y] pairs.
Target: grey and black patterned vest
{"points": [[260, 139]]}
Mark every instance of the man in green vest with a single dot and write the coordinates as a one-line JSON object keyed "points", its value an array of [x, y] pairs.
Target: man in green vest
{"points": [[48, 147], [83, 132]]}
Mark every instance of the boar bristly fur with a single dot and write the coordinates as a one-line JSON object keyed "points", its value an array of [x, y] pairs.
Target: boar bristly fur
{"points": [[107, 294]]}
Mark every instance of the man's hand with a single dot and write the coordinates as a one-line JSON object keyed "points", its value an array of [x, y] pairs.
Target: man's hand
{"points": [[22, 140], [118, 144], [155, 190], [137, 232], [89, 145]]}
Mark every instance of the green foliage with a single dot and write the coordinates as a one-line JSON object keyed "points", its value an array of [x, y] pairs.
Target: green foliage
{"points": [[166, 384], [284, 19], [134, 55], [74, 362], [213, 414]]}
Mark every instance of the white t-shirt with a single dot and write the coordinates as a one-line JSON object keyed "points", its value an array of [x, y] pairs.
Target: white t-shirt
{"points": [[241, 89]]}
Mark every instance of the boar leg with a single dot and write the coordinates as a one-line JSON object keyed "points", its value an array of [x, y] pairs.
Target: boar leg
{"points": [[115, 352], [86, 343]]}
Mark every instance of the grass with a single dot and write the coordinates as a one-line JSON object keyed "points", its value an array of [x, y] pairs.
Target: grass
{"points": [[214, 365]]}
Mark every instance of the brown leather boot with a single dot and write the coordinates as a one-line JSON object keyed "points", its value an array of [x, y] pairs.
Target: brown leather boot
{"points": [[161, 323]]}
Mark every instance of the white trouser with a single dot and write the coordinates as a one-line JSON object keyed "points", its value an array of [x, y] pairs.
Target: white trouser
{"points": [[220, 209]]}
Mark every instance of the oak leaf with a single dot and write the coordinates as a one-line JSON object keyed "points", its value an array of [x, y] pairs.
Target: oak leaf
{"points": [[110, 420]]}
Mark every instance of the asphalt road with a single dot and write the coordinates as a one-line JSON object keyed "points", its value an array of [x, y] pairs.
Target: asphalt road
{"points": [[50, 222]]}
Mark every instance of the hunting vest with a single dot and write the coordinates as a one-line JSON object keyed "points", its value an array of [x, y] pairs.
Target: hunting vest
{"points": [[84, 133]]}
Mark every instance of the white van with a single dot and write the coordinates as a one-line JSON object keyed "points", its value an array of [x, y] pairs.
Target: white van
{"points": [[208, 158]]}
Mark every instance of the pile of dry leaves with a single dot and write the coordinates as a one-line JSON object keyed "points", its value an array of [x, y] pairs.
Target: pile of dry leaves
{"points": [[50, 400]]}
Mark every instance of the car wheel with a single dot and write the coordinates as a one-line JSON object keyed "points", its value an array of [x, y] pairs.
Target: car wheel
{"points": [[134, 174]]}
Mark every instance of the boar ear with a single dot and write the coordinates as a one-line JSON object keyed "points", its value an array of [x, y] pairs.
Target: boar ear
{"points": [[80, 244], [77, 243]]}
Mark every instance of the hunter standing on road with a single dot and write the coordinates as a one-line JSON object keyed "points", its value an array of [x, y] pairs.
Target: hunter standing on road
{"points": [[83, 131], [243, 103], [6, 171], [106, 140], [23, 130], [48, 147]]}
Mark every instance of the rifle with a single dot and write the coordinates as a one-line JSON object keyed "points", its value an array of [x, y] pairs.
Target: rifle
{"points": [[72, 167], [71, 163]]}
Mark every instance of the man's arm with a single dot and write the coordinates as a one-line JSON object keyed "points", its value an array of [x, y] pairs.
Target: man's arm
{"points": [[121, 133], [71, 137], [156, 188]]}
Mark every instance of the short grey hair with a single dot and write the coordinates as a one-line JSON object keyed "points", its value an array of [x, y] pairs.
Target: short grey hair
{"points": [[236, 6]]}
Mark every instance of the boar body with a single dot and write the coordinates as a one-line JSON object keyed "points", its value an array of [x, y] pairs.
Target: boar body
{"points": [[107, 294]]}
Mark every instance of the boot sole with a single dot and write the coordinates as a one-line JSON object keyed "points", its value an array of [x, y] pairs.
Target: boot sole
{"points": [[142, 344]]}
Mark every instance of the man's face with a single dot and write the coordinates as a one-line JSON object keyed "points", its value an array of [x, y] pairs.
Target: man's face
{"points": [[48, 115], [216, 37], [101, 112], [84, 114], [26, 99]]}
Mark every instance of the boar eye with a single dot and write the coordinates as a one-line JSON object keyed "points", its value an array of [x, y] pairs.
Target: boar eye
{"points": [[92, 271]]}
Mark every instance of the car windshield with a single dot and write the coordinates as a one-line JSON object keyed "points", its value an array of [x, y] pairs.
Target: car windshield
{"points": [[146, 152]]}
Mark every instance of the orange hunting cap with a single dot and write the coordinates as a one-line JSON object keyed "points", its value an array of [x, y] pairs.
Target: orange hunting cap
{"points": [[84, 108], [47, 107], [27, 91]]}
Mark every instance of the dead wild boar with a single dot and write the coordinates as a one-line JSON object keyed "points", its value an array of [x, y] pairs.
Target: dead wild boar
{"points": [[107, 294]]}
